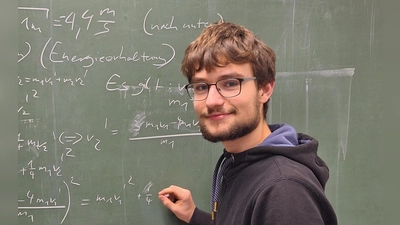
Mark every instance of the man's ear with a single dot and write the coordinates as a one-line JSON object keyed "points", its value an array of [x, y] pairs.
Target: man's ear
{"points": [[266, 91]]}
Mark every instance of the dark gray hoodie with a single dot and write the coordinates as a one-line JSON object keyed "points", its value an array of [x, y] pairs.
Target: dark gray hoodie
{"points": [[275, 183]]}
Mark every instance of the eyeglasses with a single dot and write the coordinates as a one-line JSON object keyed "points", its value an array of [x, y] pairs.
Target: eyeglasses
{"points": [[228, 88]]}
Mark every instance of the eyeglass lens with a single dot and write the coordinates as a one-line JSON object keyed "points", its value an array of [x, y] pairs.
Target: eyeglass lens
{"points": [[226, 87]]}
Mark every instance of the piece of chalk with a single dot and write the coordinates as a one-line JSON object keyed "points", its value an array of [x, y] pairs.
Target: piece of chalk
{"points": [[166, 195]]}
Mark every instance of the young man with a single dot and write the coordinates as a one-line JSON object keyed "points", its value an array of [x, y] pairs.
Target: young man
{"points": [[270, 173]]}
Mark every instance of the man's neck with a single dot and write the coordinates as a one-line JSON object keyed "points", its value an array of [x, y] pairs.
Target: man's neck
{"points": [[248, 141]]}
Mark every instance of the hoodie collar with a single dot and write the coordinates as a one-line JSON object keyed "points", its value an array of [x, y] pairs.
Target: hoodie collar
{"points": [[305, 152], [281, 135]]}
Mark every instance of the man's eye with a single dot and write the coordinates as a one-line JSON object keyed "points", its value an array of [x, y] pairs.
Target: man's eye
{"points": [[200, 87], [230, 83]]}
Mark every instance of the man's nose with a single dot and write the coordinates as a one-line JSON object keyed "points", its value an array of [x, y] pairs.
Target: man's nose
{"points": [[214, 97]]}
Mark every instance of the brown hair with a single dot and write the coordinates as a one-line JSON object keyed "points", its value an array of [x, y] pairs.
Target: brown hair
{"points": [[222, 43]]}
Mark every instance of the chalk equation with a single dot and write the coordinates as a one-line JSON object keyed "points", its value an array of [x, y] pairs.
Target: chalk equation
{"points": [[116, 83], [64, 138], [53, 51], [31, 202], [104, 17], [71, 80]]}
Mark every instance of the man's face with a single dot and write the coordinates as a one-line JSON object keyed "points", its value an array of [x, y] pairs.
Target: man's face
{"points": [[226, 119]]}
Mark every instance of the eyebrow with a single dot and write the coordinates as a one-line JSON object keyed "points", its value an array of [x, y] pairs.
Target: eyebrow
{"points": [[223, 76]]}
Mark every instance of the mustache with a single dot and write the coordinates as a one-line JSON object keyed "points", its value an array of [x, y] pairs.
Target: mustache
{"points": [[211, 111]]}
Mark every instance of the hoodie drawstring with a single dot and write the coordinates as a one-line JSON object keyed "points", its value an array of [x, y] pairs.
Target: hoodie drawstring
{"points": [[219, 169]]}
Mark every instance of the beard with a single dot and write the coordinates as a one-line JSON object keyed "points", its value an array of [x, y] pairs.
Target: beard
{"points": [[239, 128]]}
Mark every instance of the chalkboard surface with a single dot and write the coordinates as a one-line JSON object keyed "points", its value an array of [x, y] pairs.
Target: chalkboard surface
{"points": [[104, 123]]}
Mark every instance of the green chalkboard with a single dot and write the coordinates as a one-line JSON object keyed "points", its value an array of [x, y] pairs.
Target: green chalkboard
{"points": [[104, 124]]}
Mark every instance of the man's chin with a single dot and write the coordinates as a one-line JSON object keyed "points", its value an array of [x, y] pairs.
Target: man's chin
{"points": [[211, 138], [216, 136]]}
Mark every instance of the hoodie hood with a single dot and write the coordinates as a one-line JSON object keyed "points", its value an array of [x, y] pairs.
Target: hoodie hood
{"points": [[305, 152], [281, 135]]}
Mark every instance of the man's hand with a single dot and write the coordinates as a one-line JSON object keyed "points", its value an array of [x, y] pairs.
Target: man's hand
{"points": [[179, 201]]}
